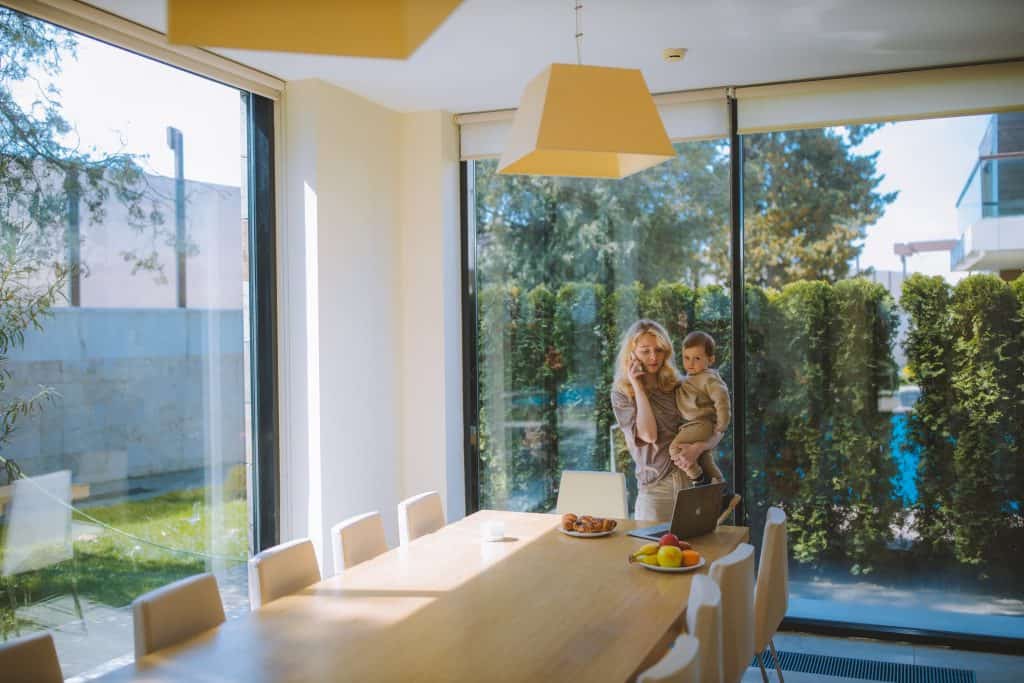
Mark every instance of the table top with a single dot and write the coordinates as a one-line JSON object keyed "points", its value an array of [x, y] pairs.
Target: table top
{"points": [[538, 605]]}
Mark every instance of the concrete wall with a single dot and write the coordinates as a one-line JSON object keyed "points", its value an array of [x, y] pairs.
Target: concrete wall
{"points": [[143, 392], [369, 311]]}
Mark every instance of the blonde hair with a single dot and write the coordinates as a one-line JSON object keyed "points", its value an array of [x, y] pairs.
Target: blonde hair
{"points": [[668, 375]]}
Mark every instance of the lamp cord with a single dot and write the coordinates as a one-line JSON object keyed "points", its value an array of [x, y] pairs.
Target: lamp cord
{"points": [[579, 35]]}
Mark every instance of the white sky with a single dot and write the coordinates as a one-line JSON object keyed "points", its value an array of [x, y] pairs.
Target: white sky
{"points": [[123, 102]]}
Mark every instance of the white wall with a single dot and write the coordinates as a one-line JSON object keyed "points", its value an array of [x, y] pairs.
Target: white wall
{"points": [[369, 311], [431, 434]]}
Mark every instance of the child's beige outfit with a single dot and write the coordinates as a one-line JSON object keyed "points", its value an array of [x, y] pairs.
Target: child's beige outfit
{"points": [[703, 401]]}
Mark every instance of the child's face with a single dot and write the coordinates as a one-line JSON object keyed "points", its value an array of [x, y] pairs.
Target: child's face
{"points": [[696, 360]]}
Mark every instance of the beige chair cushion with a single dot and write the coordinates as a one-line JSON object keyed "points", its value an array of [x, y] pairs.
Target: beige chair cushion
{"points": [[175, 613], [282, 570], [734, 575], [704, 622], [602, 494], [419, 515], [771, 595], [357, 539], [679, 665], [31, 658]]}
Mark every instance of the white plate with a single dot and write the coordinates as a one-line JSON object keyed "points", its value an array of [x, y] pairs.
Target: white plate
{"points": [[578, 534], [671, 570]]}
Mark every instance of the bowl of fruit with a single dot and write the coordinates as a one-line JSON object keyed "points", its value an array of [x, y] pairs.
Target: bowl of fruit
{"points": [[667, 555]]}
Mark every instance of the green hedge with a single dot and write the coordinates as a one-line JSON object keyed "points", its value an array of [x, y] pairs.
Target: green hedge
{"points": [[820, 356]]}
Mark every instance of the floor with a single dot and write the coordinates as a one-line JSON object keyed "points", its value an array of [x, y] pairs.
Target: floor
{"points": [[988, 668]]}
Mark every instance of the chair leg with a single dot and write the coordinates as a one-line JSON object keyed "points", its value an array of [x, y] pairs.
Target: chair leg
{"points": [[9, 588], [760, 663], [74, 592], [775, 658]]}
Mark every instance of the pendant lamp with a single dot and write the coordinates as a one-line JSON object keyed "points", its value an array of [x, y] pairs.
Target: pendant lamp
{"points": [[359, 28], [587, 122]]}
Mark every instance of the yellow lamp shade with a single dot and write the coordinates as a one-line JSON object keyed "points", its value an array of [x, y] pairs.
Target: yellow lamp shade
{"points": [[359, 28], [587, 122]]}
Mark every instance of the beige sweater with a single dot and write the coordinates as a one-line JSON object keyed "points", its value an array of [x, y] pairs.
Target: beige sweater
{"points": [[704, 397]]}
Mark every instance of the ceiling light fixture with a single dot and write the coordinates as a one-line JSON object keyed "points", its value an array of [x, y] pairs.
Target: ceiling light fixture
{"points": [[391, 29], [586, 122]]}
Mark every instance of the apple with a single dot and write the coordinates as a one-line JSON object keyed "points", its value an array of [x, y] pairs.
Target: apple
{"points": [[669, 539]]}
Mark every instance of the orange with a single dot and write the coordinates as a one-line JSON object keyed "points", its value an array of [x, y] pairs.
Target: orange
{"points": [[690, 558]]}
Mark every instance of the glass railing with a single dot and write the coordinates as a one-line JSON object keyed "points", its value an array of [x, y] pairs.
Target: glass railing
{"points": [[994, 188]]}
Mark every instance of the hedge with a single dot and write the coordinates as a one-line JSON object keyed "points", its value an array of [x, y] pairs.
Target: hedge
{"points": [[820, 356]]}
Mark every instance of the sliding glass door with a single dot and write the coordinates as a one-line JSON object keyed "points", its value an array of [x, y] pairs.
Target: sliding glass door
{"points": [[125, 430]]}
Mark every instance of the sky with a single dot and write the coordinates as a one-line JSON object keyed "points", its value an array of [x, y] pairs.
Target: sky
{"points": [[122, 102]]}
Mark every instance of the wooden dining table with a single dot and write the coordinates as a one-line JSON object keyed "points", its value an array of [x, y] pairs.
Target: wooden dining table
{"points": [[537, 605]]}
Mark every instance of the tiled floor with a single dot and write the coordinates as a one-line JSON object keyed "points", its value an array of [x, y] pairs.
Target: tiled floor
{"points": [[988, 668]]}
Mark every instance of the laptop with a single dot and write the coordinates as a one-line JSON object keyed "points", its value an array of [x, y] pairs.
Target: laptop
{"points": [[695, 514]]}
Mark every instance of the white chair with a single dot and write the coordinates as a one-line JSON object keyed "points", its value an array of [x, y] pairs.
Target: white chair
{"points": [[282, 570], [734, 575], [419, 516], [175, 613], [357, 539], [704, 622], [601, 494], [30, 658], [679, 665], [39, 529], [771, 595]]}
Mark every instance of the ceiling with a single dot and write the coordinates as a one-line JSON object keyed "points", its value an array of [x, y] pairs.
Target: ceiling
{"points": [[483, 55]]}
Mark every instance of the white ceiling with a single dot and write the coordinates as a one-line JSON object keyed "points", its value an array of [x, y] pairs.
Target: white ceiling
{"points": [[487, 50]]}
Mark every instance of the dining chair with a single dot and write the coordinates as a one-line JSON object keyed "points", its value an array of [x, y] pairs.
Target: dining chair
{"points": [[771, 594], [282, 570], [357, 539], [730, 507], [30, 658], [420, 515], [176, 612], [734, 574], [704, 622], [601, 494], [679, 665]]}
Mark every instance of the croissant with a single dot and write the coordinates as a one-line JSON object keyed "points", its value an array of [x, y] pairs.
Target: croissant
{"points": [[568, 521]]}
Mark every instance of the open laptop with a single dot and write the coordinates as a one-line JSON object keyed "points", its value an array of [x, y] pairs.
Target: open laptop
{"points": [[695, 514]]}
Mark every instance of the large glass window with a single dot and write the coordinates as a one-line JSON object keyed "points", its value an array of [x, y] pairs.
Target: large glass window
{"points": [[561, 268], [883, 305], [124, 426], [884, 390]]}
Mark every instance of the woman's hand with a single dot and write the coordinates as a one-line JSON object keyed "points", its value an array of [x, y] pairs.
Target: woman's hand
{"points": [[686, 454], [636, 375]]}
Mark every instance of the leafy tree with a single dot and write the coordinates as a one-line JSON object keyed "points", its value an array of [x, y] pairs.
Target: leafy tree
{"points": [[808, 200], [45, 179]]}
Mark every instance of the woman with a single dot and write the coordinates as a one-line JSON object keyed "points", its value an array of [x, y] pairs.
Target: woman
{"points": [[643, 399]]}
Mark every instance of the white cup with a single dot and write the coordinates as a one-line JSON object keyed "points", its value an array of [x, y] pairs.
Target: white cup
{"points": [[492, 531]]}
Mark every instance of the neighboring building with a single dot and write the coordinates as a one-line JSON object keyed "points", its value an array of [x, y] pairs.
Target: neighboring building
{"points": [[991, 205]]}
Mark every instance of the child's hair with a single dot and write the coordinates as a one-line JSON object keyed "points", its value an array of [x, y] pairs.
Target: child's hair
{"points": [[698, 338], [668, 376]]}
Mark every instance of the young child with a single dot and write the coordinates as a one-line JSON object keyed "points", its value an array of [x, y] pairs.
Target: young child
{"points": [[703, 400]]}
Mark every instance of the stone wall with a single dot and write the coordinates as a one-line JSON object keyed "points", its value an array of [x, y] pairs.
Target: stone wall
{"points": [[143, 393]]}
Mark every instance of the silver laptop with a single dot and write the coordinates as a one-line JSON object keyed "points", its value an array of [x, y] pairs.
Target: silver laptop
{"points": [[695, 514]]}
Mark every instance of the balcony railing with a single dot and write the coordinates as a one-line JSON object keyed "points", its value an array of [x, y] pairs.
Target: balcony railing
{"points": [[994, 188]]}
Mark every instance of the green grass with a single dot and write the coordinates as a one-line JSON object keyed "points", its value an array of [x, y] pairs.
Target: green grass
{"points": [[113, 569]]}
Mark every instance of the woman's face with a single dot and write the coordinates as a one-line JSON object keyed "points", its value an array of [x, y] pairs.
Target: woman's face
{"points": [[650, 355]]}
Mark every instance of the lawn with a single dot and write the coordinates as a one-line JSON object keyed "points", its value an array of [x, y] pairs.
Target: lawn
{"points": [[113, 569]]}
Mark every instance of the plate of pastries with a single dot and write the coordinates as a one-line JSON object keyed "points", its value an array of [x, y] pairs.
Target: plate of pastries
{"points": [[586, 526]]}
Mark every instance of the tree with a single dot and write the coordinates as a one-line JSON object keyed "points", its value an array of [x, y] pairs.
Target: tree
{"points": [[45, 178], [808, 200], [808, 196]]}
